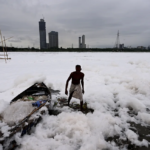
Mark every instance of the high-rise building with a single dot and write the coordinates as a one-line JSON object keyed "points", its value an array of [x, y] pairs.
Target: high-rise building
{"points": [[83, 41], [79, 42], [53, 39], [82, 44], [42, 31], [121, 46]]}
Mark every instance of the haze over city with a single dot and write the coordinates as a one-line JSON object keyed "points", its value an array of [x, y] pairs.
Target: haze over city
{"points": [[98, 20]]}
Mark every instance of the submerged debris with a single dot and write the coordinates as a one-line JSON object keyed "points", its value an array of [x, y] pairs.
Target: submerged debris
{"points": [[75, 106]]}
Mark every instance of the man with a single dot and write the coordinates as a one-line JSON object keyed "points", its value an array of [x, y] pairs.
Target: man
{"points": [[75, 88]]}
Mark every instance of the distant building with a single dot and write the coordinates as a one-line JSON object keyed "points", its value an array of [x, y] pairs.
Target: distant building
{"points": [[53, 39], [82, 44], [141, 47], [121, 46], [42, 32], [83, 41]]}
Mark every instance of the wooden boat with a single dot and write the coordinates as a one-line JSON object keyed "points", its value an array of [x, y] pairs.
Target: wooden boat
{"points": [[38, 98]]}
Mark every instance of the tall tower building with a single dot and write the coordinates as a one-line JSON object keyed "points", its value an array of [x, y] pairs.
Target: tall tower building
{"points": [[53, 39], [117, 43], [82, 44], [83, 41], [42, 31]]}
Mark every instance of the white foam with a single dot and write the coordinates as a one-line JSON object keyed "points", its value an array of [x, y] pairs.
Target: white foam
{"points": [[17, 111], [115, 83]]}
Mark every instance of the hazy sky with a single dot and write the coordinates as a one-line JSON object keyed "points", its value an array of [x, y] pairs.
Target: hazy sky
{"points": [[98, 20]]}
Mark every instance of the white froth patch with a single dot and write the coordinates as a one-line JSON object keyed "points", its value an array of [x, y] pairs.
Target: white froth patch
{"points": [[17, 111], [144, 117], [133, 137]]}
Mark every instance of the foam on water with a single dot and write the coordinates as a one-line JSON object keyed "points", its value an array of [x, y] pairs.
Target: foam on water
{"points": [[115, 84]]}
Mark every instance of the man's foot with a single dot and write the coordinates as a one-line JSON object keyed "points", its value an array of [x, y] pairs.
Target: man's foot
{"points": [[80, 109]]}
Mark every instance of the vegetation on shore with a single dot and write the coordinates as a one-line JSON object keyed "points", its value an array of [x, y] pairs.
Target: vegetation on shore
{"points": [[14, 49]]}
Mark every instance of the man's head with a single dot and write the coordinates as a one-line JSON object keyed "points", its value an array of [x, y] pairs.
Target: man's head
{"points": [[78, 68]]}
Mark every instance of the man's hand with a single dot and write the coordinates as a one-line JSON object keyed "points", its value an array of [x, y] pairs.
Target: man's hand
{"points": [[66, 92], [83, 91]]}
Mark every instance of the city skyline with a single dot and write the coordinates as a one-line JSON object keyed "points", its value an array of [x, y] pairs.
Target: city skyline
{"points": [[99, 21], [52, 41]]}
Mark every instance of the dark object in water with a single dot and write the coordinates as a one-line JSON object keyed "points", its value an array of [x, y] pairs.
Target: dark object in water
{"points": [[36, 89], [39, 103]]}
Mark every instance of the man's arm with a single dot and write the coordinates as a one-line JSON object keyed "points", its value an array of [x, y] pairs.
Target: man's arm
{"points": [[66, 92], [82, 82]]}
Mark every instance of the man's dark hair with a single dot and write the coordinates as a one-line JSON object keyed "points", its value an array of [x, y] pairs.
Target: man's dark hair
{"points": [[78, 66]]}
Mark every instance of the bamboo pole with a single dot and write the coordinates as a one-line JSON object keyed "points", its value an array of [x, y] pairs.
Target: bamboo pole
{"points": [[5, 48], [27, 117], [7, 39], [4, 58], [2, 45]]}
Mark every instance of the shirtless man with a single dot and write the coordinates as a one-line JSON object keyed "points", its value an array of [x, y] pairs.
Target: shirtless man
{"points": [[75, 88]]}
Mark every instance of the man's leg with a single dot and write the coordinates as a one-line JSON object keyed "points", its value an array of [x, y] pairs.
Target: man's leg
{"points": [[69, 98], [81, 105]]}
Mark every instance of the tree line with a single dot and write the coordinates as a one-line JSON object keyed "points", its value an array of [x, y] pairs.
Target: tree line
{"points": [[15, 49]]}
